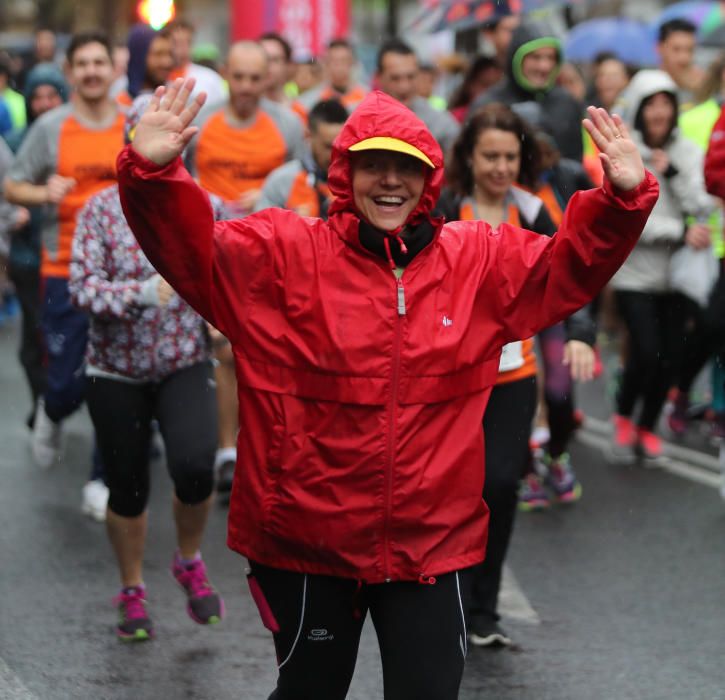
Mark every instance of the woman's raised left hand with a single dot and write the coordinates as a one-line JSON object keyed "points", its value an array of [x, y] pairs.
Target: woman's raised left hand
{"points": [[620, 156]]}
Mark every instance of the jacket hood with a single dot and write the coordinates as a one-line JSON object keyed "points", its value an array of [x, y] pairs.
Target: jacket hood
{"points": [[644, 84], [139, 42], [381, 115], [44, 74], [527, 37]]}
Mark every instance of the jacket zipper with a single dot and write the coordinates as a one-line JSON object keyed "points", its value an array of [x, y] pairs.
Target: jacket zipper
{"points": [[401, 311]]}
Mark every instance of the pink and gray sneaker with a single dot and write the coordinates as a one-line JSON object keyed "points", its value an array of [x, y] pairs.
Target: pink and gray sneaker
{"points": [[562, 480], [204, 605], [134, 624], [532, 495]]}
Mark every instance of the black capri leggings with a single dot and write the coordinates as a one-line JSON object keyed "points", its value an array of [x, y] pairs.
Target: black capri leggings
{"points": [[184, 404], [317, 622]]}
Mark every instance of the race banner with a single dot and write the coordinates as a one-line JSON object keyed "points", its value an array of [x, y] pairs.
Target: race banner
{"points": [[307, 24]]}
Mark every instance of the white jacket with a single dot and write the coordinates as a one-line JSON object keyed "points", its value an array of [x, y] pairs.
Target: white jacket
{"points": [[682, 193]]}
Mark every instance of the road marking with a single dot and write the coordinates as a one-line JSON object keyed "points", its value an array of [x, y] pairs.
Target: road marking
{"points": [[513, 603], [693, 469], [11, 687]]}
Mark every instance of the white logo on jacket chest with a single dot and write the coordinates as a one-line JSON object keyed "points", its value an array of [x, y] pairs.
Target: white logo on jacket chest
{"points": [[447, 322]]}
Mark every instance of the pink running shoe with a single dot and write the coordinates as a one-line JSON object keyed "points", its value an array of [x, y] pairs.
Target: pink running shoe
{"points": [[134, 624], [649, 444], [205, 606], [624, 440]]}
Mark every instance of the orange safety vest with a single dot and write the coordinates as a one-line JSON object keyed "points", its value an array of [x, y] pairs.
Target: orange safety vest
{"points": [[527, 367]]}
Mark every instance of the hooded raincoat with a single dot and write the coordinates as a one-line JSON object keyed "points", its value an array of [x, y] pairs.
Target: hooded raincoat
{"points": [[362, 395]]}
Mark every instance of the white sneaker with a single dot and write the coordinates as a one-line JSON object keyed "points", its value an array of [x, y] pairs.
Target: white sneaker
{"points": [[95, 500], [46, 438]]}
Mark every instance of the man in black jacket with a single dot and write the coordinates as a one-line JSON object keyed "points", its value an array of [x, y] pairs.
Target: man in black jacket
{"points": [[530, 89]]}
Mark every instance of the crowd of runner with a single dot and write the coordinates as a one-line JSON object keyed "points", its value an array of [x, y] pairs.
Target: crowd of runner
{"points": [[101, 325]]}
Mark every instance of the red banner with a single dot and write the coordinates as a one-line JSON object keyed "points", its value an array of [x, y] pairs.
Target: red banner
{"points": [[307, 24]]}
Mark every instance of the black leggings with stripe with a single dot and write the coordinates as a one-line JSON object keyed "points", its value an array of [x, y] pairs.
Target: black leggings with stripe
{"points": [[317, 622]]}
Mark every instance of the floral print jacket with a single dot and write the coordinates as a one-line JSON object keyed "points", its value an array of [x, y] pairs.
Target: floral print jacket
{"points": [[132, 336]]}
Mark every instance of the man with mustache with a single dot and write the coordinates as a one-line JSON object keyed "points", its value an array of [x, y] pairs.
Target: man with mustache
{"points": [[68, 155]]}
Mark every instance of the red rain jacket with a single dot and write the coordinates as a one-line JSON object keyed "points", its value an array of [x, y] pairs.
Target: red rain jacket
{"points": [[715, 159], [361, 398]]}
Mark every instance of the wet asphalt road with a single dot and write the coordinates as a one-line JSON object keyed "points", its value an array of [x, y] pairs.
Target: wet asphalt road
{"points": [[628, 585]]}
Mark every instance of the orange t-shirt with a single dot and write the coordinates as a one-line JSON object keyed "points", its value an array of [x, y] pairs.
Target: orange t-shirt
{"points": [[519, 355], [231, 160], [89, 157], [124, 99]]}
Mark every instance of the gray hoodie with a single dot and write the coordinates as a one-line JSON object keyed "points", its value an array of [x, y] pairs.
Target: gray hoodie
{"points": [[682, 192]]}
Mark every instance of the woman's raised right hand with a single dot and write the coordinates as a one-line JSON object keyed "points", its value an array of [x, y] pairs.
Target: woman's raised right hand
{"points": [[164, 129]]}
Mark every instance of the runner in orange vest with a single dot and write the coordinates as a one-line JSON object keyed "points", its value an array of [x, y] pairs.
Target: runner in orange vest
{"points": [[68, 155]]}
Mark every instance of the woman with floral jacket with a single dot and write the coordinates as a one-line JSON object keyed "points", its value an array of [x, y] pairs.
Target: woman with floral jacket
{"points": [[148, 358]]}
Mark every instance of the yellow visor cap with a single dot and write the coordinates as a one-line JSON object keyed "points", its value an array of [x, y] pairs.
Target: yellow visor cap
{"points": [[388, 143]]}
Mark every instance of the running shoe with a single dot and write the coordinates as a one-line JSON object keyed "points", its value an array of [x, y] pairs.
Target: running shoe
{"points": [[561, 479], [678, 417], [649, 444], [204, 605], [95, 500], [225, 476], [532, 495], [134, 624], [624, 440], [487, 633], [46, 438]]}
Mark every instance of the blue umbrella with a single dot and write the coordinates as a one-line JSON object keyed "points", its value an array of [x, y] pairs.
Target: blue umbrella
{"points": [[633, 42], [706, 16]]}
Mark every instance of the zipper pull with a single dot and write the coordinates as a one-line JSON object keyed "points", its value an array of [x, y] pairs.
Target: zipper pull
{"points": [[428, 580], [401, 299]]}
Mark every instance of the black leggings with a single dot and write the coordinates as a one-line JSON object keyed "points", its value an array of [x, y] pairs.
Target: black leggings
{"points": [[317, 622], [655, 327], [506, 427], [184, 403]]}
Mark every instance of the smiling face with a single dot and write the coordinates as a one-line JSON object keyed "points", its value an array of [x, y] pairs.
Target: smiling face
{"points": [[386, 187], [91, 72], [538, 65], [495, 162]]}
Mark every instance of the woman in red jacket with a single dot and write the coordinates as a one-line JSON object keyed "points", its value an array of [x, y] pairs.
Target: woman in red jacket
{"points": [[366, 347]]}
